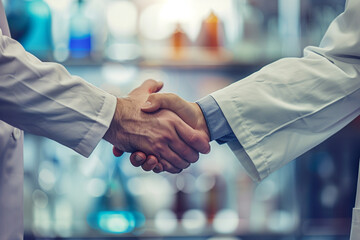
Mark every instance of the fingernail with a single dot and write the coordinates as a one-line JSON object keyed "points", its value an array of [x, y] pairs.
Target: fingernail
{"points": [[147, 104], [138, 158], [151, 161]]}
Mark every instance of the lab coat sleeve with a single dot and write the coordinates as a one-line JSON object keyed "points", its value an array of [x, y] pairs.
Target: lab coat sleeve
{"points": [[291, 105], [44, 99]]}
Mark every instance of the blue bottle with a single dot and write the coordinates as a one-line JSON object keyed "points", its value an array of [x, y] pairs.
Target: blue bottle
{"points": [[37, 38], [80, 33]]}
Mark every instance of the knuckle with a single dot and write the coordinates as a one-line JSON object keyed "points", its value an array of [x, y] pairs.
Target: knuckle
{"points": [[150, 80], [172, 95], [170, 136], [193, 138], [158, 148]]}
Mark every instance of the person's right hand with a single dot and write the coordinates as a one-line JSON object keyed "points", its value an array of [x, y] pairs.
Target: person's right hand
{"points": [[189, 112], [162, 133]]}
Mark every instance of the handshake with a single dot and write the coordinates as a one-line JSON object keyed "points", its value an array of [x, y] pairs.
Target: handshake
{"points": [[161, 130]]}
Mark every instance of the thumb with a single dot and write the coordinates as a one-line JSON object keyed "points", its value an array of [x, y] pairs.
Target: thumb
{"points": [[162, 101], [147, 87], [173, 103], [152, 86]]}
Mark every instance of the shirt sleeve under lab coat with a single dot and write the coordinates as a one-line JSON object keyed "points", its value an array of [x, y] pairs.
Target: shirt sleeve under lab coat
{"points": [[216, 122], [44, 99], [291, 105]]}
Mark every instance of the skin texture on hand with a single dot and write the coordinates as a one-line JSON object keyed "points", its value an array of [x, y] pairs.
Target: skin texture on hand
{"points": [[187, 111], [161, 134]]}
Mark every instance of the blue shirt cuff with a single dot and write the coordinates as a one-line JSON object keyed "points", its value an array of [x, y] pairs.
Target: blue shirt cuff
{"points": [[217, 124]]}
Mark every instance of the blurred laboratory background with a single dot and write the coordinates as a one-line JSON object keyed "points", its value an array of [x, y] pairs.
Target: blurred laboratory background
{"points": [[195, 47]]}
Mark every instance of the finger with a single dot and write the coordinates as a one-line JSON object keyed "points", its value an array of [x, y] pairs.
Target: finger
{"points": [[173, 158], [168, 167], [148, 86], [194, 138], [137, 158], [117, 152], [187, 112], [184, 151], [164, 100], [150, 163], [159, 168]]}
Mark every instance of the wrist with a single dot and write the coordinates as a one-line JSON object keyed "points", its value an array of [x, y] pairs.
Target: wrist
{"points": [[111, 133], [201, 124]]}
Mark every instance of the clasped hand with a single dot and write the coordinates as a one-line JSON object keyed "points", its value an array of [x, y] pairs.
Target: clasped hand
{"points": [[163, 131]]}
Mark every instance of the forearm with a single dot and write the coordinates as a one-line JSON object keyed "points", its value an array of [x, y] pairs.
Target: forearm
{"points": [[292, 105], [44, 99]]}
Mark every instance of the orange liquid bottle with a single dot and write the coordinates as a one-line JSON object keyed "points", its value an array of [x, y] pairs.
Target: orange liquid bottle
{"points": [[211, 27], [179, 40]]}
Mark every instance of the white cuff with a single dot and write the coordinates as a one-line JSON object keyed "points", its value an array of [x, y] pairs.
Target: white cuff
{"points": [[99, 128]]}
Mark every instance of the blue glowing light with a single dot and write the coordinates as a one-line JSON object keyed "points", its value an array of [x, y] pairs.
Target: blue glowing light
{"points": [[116, 221]]}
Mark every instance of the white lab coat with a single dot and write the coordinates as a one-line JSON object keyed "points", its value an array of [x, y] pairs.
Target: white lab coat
{"points": [[43, 99], [292, 105]]}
